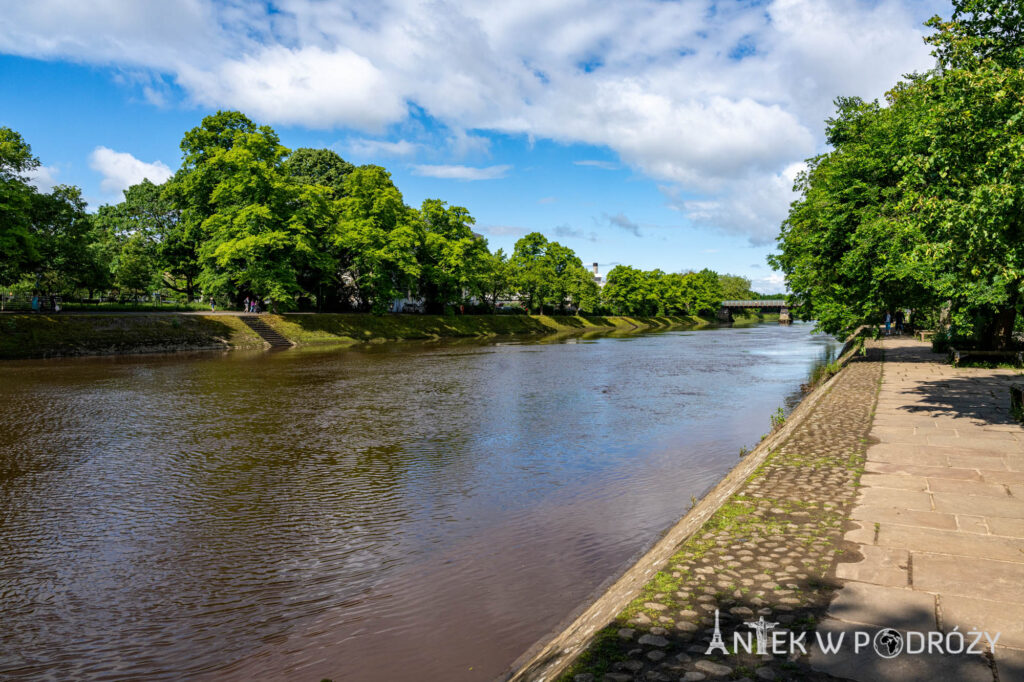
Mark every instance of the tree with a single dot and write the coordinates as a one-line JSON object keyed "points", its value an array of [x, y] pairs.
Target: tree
{"points": [[16, 202], [567, 275], [378, 236], [532, 271], [495, 282], [452, 258], [735, 288], [322, 167], [254, 221], [134, 267], [920, 202], [62, 232], [629, 291], [147, 210]]}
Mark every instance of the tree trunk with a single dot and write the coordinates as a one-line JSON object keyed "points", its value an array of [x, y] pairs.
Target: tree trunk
{"points": [[1001, 325]]}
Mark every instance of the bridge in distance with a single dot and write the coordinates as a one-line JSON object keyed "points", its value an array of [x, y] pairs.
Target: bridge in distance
{"points": [[771, 304]]}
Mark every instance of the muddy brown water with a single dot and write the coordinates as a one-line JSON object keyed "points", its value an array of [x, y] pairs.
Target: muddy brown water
{"points": [[408, 511]]}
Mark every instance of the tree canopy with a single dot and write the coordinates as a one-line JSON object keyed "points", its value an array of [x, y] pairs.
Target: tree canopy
{"points": [[245, 217], [919, 203]]}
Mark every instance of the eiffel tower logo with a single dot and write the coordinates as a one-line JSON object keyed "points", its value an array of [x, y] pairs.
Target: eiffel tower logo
{"points": [[716, 639]]}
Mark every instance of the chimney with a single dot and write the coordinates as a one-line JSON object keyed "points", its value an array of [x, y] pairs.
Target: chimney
{"points": [[595, 269]]}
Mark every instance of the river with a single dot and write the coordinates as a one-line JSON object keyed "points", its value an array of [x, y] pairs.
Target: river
{"points": [[405, 511]]}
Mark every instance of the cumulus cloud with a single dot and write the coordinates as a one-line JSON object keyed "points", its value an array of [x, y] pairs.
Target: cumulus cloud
{"points": [[44, 178], [307, 86], [714, 99], [771, 284], [121, 170], [753, 206], [461, 172]]}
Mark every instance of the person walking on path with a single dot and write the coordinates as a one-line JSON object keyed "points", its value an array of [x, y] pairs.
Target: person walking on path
{"points": [[899, 321], [888, 322], [246, 304], [213, 305]]}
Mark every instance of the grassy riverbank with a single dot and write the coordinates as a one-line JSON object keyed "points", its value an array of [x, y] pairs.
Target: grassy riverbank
{"points": [[315, 329], [25, 336], [28, 336]]}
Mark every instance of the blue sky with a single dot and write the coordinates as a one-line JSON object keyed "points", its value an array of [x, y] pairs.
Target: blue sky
{"points": [[655, 134]]}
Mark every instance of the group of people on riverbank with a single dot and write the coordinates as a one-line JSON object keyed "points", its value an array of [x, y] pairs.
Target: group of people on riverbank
{"points": [[249, 305]]}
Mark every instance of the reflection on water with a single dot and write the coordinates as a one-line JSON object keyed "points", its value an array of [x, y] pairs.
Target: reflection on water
{"points": [[402, 511]]}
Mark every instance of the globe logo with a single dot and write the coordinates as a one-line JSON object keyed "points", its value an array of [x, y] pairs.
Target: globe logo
{"points": [[888, 643]]}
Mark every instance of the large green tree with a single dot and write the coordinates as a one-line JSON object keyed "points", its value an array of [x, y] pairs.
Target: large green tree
{"points": [[147, 211], [16, 206], [452, 259], [919, 203], [532, 273], [256, 223], [378, 236]]}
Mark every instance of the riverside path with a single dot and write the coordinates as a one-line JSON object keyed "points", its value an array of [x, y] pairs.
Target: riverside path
{"points": [[910, 518], [941, 516]]}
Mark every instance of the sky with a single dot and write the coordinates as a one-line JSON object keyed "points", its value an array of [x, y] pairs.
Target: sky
{"points": [[650, 133]]}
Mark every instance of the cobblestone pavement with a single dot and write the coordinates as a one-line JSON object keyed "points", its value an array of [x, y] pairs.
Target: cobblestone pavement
{"points": [[941, 520], [770, 551]]}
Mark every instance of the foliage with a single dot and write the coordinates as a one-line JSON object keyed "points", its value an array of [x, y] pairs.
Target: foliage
{"points": [[16, 198], [319, 167], [919, 204], [453, 259], [735, 288], [243, 216]]}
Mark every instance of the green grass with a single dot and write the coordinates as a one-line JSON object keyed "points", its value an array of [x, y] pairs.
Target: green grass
{"points": [[354, 327], [44, 335], [113, 307]]}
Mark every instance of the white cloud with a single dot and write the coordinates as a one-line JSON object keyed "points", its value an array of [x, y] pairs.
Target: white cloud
{"points": [[44, 178], [660, 84], [753, 206], [121, 170], [462, 172], [603, 165], [771, 284], [504, 230], [307, 86], [375, 148]]}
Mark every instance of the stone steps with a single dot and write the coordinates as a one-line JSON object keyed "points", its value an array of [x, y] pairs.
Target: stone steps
{"points": [[266, 332]]}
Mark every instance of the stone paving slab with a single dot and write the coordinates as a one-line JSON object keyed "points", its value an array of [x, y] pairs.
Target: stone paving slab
{"points": [[970, 614], [866, 666], [942, 508], [896, 607], [880, 566], [1010, 663], [980, 578]]}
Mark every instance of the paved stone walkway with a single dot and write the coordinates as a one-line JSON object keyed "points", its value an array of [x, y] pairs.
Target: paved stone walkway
{"points": [[941, 516], [770, 551]]}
